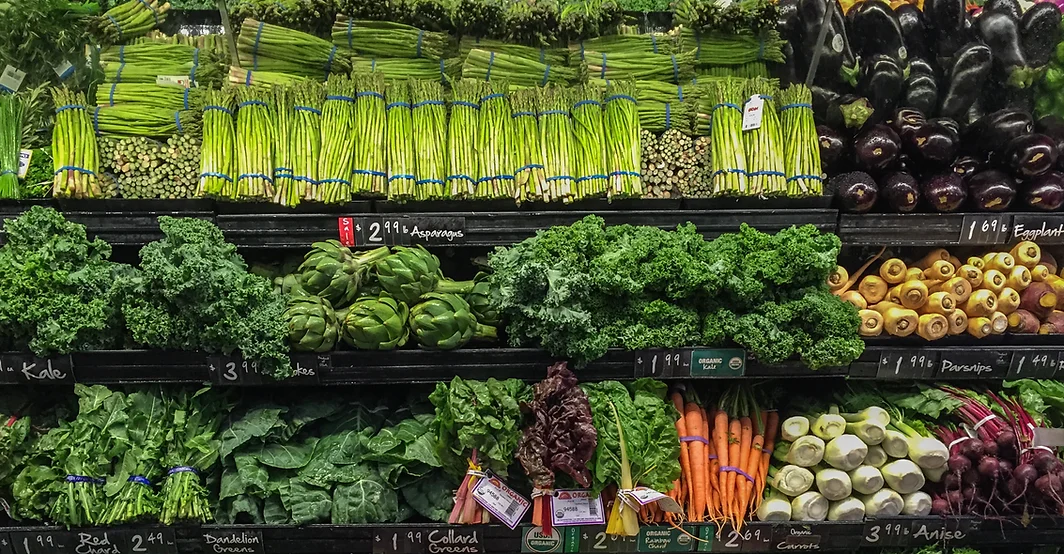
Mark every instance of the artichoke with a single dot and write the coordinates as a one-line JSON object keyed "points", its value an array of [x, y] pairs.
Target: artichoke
{"points": [[480, 301], [333, 272], [408, 273], [444, 321], [288, 285], [312, 325], [376, 324]]}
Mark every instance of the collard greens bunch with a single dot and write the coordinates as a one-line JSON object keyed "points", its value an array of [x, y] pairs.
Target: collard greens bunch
{"points": [[580, 289]]}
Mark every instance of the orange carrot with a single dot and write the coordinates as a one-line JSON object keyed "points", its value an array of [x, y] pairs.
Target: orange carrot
{"points": [[714, 485], [708, 470], [685, 452], [734, 459], [772, 423], [751, 468], [698, 463], [720, 443]]}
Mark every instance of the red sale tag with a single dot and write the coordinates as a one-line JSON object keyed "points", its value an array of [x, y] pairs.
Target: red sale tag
{"points": [[347, 231]]}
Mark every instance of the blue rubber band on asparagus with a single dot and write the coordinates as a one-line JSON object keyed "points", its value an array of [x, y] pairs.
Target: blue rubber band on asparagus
{"points": [[397, 105], [369, 172], [654, 42], [243, 176], [372, 93], [118, 74], [217, 175], [554, 112], [401, 176], [328, 64], [473, 105], [679, 92], [117, 26], [558, 178], [96, 121], [492, 96], [195, 65], [725, 105], [603, 71], [582, 51], [74, 168], [461, 176], [339, 97], [341, 181], [255, 47], [796, 177], [154, 13], [302, 179], [217, 109], [111, 96], [590, 177], [760, 48], [765, 96], [373, 65], [7, 172], [417, 49], [247, 81], [668, 116], [62, 109], [247, 103], [182, 469], [719, 171], [429, 181], [310, 109], [186, 98], [587, 103], [428, 103], [543, 55], [177, 119], [529, 166], [546, 76], [766, 173], [350, 27], [797, 105], [613, 97], [625, 173], [491, 62], [675, 69]]}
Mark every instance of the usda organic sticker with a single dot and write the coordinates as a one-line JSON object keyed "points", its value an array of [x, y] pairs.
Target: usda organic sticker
{"points": [[535, 540]]}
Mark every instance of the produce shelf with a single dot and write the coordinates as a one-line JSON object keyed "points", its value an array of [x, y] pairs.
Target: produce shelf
{"points": [[426, 538], [980, 228]]}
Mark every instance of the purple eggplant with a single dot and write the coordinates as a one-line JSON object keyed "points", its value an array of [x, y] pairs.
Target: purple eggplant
{"points": [[1040, 32], [947, 25], [992, 190], [966, 165], [905, 121], [994, 131], [882, 81], [1001, 32], [945, 191], [1031, 155], [1045, 192], [1052, 126], [913, 28], [901, 191], [1010, 8], [856, 191], [833, 147], [935, 143], [965, 79], [874, 29], [877, 147]]}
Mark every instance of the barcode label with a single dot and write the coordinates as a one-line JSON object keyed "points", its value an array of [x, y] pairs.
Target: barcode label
{"points": [[512, 509], [499, 499], [592, 506], [575, 507]]}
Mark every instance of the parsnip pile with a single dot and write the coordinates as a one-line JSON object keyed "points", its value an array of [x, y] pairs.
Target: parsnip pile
{"points": [[1017, 291]]}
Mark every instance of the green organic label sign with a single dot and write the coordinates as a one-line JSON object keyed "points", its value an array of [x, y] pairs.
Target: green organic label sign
{"points": [[718, 362], [665, 539]]}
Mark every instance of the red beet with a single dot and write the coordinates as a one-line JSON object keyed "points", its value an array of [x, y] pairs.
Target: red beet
{"points": [[952, 480], [940, 507], [988, 467], [1025, 474], [971, 477], [990, 448], [972, 448], [1006, 440]]}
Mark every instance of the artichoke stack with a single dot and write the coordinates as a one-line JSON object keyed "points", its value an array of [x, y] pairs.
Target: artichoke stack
{"points": [[408, 273], [312, 325], [376, 324], [331, 271], [479, 299], [444, 321]]}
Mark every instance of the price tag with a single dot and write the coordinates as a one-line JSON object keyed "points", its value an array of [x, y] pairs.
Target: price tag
{"points": [[24, 158], [576, 507], [1034, 364], [400, 540], [346, 226], [392, 230], [663, 363], [752, 112], [173, 81], [985, 229], [63, 69], [757, 537], [975, 364], [26, 368], [102, 542], [718, 362], [43, 542], [927, 531], [157, 540], [369, 231], [233, 370], [1043, 229], [306, 369], [907, 364], [434, 230], [503, 502], [664, 539], [533, 539], [729, 540], [11, 79], [887, 532], [233, 541], [593, 538], [796, 537]]}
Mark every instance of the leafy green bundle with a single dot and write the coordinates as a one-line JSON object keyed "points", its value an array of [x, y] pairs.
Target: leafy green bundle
{"points": [[191, 449], [132, 495]]}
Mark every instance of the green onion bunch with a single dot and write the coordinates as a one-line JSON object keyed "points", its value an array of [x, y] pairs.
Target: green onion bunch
{"points": [[386, 39], [254, 144], [369, 176], [727, 154], [640, 66], [519, 71], [443, 71], [304, 142], [764, 147], [589, 141], [623, 150], [337, 141], [143, 121], [556, 139], [217, 162], [430, 138], [401, 176], [529, 178], [145, 62], [149, 96], [650, 43], [131, 19], [11, 110], [751, 70], [248, 78], [285, 192], [662, 116], [265, 47], [75, 157], [553, 56], [494, 143], [715, 48], [462, 138], [801, 149]]}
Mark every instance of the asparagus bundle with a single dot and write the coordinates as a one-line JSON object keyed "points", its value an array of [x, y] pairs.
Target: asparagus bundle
{"points": [[131, 19], [462, 138], [254, 144], [217, 162], [304, 143], [411, 68], [370, 174], [752, 70], [556, 134], [552, 56], [519, 71], [589, 141], [248, 78], [726, 123], [143, 121], [650, 43], [147, 61], [337, 141], [74, 155], [763, 146], [400, 142], [265, 47], [662, 116], [529, 179], [146, 168], [716, 48], [430, 138], [149, 95], [494, 143], [388, 40], [801, 151], [285, 192], [11, 110], [621, 122], [640, 66]]}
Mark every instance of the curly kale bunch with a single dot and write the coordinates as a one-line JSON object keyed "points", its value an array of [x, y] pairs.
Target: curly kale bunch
{"points": [[194, 292], [581, 289], [57, 292]]}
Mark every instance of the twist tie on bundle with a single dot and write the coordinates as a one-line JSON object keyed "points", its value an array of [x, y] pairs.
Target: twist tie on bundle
{"points": [[341, 181], [475, 470], [529, 167], [401, 176], [369, 172], [712, 456], [83, 479], [739, 471], [329, 62], [428, 103], [491, 62], [177, 120], [766, 451], [624, 173], [429, 181], [546, 75], [195, 65], [339, 97], [111, 96], [461, 176], [538, 492], [654, 42], [725, 105], [154, 13], [96, 121], [679, 92], [397, 105], [587, 103], [984, 421], [213, 108], [372, 93], [309, 109], [554, 112], [797, 105], [603, 72], [417, 49], [590, 177], [139, 480], [117, 26], [958, 441], [766, 173], [243, 176], [559, 178], [186, 98], [182, 469], [621, 97], [217, 175], [350, 27], [668, 116], [702, 440], [255, 47], [492, 96], [251, 103], [675, 69], [1029, 448], [466, 104]]}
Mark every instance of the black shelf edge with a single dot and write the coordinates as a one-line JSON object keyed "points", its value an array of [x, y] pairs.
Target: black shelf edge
{"points": [[951, 229]]}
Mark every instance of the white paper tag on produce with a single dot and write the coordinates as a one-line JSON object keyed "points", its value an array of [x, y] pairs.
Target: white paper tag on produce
{"points": [[503, 502], [24, 157], [645, 496], [752, 113], [576, 507], [173, 81], [63, 69], [11, 79]]}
